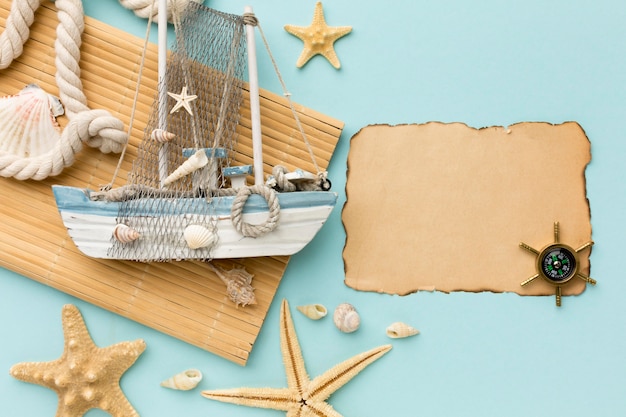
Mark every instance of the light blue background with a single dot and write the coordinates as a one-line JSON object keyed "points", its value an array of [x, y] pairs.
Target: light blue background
{"points": [[479, 62]]}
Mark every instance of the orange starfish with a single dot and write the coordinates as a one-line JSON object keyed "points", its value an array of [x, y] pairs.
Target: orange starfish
{"points": [[318, 38], [304, 397], [85, 376]]}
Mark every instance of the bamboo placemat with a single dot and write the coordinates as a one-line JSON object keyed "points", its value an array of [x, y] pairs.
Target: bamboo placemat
{"points": [[183, 299]]}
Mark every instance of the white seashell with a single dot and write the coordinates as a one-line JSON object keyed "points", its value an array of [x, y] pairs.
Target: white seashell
{"points": [[313, 311], [346, 318], [238, 284], [125, 234], [193, 163], [399, 330], [28, 126], [184, 381], [161, 136], [198, 236]]}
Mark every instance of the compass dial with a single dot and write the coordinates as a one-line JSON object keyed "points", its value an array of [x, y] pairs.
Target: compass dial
{"points": [[558, 263]]}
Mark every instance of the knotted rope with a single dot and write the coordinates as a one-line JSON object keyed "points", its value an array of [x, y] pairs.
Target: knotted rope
{"points": [[145, 8], [236, 212], [96, 128]]}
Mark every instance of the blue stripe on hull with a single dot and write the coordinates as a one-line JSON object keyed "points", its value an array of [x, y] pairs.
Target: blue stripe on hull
{"points": [[73, 199]]}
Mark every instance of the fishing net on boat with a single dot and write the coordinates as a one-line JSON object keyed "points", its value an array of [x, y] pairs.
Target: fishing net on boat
{"points": [[186, 143]]}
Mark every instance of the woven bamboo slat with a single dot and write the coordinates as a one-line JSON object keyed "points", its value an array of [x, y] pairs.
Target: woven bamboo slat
{"points": [[183, 299]]}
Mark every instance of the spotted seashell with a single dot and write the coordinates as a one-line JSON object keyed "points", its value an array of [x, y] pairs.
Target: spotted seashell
{"points": [[399, 330], [183, 381], [161, 135], [192, 164], [125, 234], [313, 311], [198, 236], [28, 126], [346, 318]]}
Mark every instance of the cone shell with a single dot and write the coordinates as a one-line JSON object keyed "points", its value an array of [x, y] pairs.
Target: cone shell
{"points": [[161, 136], [125, 234], [184, 381], [28, 126], [313, 311], [192, 164], [399, 330], [346, 318], [198, 236]]}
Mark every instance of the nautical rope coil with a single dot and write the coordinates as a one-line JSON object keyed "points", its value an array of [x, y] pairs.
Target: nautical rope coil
{"points": [[97, 128], [255, 230]]}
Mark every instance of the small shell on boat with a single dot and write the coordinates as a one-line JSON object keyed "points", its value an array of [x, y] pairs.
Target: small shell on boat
{"points": [[192, 164], [198, 236], [125, 234], [184, 381], [313, 311], [28, 126], [346, 318], [399, 330], [162, 136]]}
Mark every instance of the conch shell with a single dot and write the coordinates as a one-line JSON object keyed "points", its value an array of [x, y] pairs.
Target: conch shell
{"points": [[125, 234], [313, 311], [161, 135], [192, 164], [399, 330], [198, 236], [238, 284], [184, 381], [28, 126], [346, 318]]}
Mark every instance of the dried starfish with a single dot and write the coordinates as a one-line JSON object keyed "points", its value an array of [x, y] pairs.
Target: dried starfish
{"points": [[303, 397], [85, 376], [318, 38], [182, 100]]}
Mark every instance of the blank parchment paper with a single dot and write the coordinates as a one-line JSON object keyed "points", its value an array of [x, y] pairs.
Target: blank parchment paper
{"points": [[444, 206]]}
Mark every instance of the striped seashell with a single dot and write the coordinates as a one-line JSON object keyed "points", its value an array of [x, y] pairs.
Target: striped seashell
{"points": [[183, 381], [313, 311], [125, 234], [161, 135], [194, 163], [400, 330], [346, 318], [28, 126], [198, 236]]}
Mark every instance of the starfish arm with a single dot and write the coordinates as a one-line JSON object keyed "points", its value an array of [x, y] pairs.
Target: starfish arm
{"points": [[74, 329], [40, 373], [297, 31], [284, 399], [118, 405], [330, 381], [297, 377], [319, 408]]}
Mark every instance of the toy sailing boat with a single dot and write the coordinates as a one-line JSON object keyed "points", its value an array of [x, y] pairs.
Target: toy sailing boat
{"points": [[183, 199]]}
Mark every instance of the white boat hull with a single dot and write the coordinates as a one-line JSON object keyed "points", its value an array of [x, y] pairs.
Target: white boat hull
{"points": [[90, 224]]}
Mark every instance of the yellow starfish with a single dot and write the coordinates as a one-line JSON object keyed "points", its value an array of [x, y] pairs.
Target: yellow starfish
{"points": [[85, 376], [318, 38], [303, 397], [182, 100]]}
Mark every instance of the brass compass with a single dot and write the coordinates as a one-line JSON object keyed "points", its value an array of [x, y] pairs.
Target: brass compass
{"points": [[557, 263]]}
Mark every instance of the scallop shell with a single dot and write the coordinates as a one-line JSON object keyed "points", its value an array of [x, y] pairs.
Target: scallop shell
{"points": [[346, 318], [162, 136], [313, 311], [193, 163], [28, 126], [198, 236], [125, 234], [399, 330], [184, 381]]}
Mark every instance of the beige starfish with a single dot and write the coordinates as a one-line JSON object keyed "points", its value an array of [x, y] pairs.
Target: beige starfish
{"points": [[303, 397], [85, 376], [182, 100], [318, 38]]}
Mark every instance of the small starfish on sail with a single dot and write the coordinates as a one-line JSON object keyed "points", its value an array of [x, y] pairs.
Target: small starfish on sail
{"points": [[318, 38], [183, 100], [304, 397]]}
